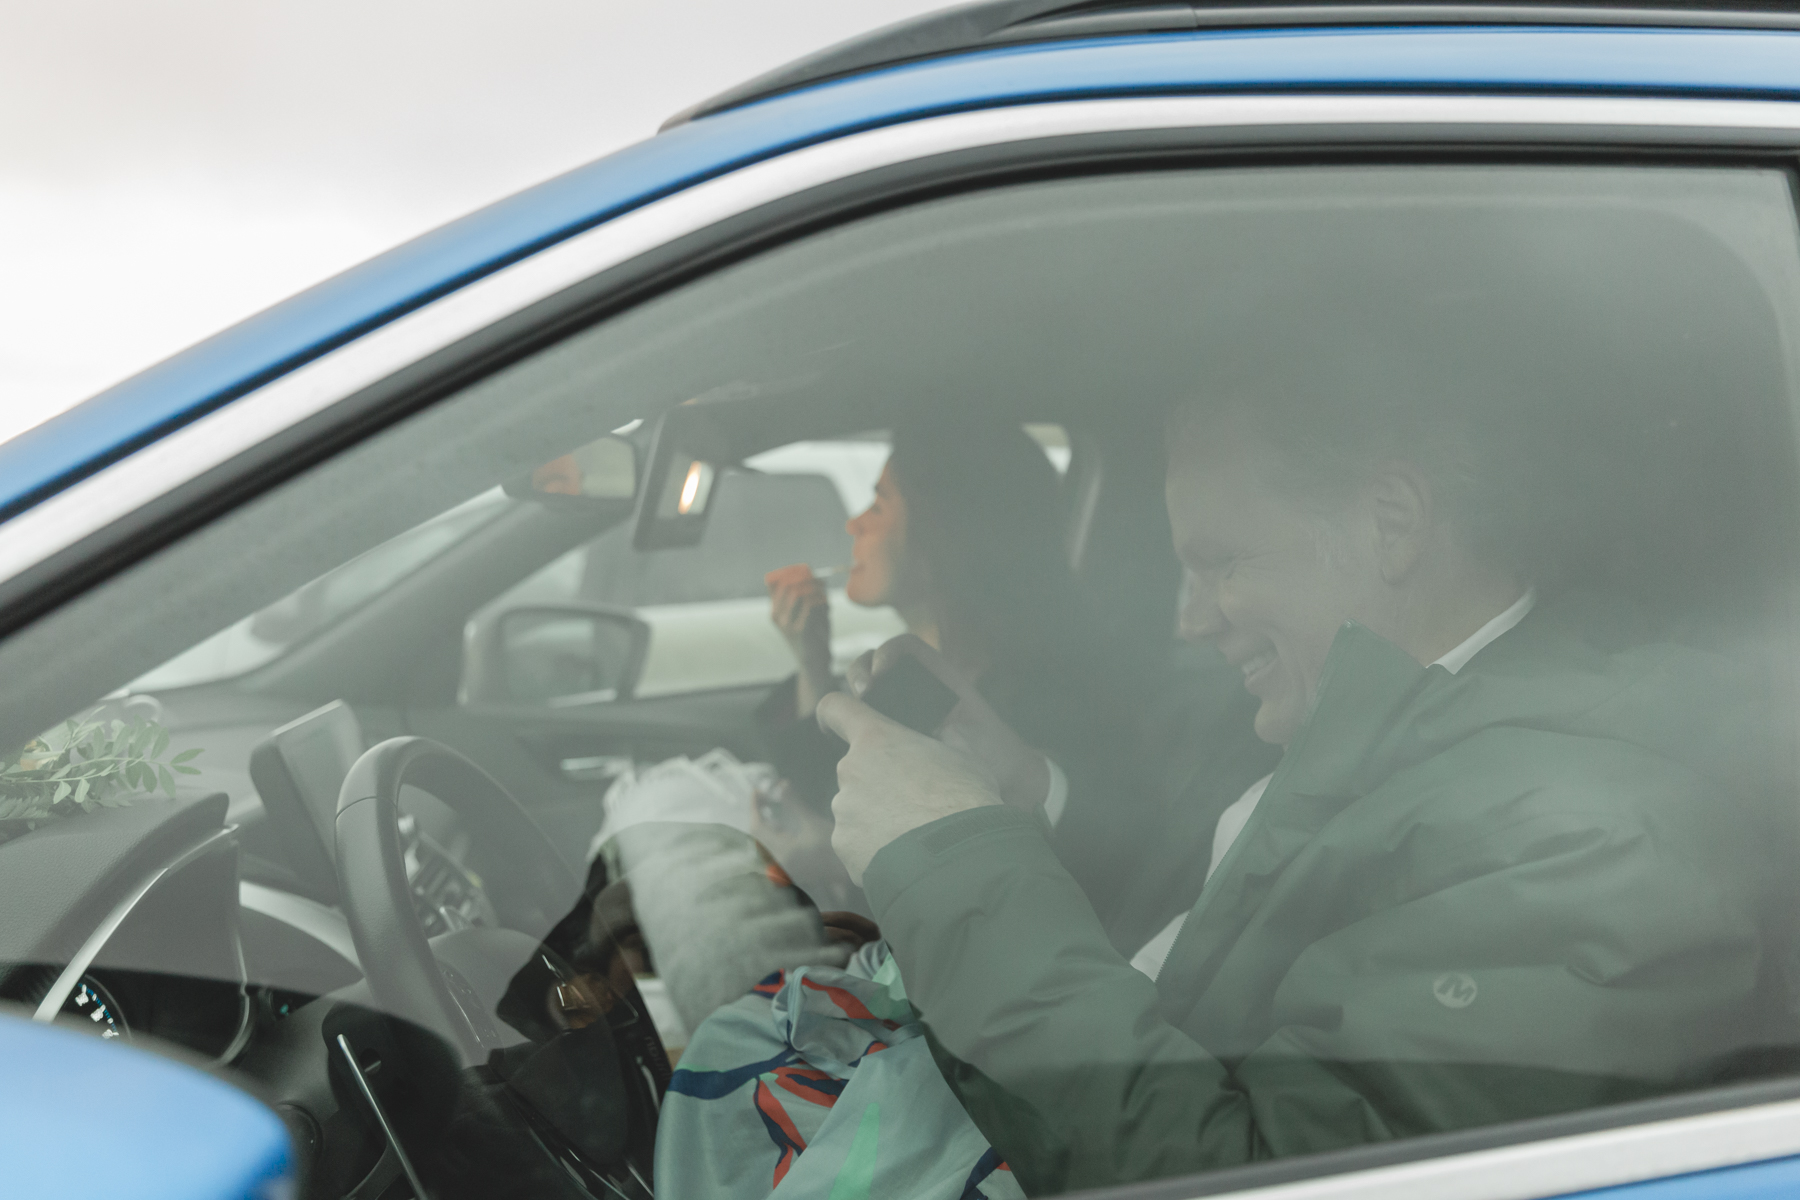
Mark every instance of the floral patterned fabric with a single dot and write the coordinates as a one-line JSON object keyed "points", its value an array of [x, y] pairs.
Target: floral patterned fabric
{"points": [[819, 1084]]}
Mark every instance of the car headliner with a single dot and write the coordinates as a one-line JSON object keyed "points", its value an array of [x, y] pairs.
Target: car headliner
{"points": [[1646, 61]]}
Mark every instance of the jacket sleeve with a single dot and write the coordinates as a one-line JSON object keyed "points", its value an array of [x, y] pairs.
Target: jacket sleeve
{"points": [[1551, 966], [1029, 1007]]}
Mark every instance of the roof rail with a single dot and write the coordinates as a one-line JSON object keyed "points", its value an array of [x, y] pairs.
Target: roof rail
{"points": [[988, 23]]}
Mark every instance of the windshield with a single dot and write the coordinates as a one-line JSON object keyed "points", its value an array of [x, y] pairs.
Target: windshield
{"points": [[270, 631]]}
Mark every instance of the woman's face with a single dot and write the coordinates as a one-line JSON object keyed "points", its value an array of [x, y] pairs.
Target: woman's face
{"points": [[883, 571]]}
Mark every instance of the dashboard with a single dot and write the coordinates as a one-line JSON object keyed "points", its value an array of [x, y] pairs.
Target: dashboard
{"points": [[150, 924], [161, 919], [127, 925], [209, 926]]}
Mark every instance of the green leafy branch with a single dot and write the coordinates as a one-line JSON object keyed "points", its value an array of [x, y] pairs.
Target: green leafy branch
{"points": [[89, 764]]}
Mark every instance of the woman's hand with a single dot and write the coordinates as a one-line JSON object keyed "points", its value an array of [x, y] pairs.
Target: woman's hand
{"points": [[801, 611]]}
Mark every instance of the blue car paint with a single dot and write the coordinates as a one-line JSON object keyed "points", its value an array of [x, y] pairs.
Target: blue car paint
{"points": [[1664, 61], [1776, 1179], [83, 1117]]}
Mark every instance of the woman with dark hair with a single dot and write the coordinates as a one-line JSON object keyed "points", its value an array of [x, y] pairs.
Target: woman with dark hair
{"points": [[964, 541]]}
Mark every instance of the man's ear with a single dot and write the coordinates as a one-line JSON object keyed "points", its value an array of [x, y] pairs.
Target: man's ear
{"points": [[1400, 501]]}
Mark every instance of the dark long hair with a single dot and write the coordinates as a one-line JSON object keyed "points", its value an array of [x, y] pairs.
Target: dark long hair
{"points": [[986, 511], [985, 508]]}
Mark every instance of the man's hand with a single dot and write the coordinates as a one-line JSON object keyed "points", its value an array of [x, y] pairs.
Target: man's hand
{"points": [[1018, 773], [892, 781], [802, 612]]}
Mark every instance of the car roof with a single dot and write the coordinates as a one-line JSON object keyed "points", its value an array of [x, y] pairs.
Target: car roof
{"points": [[987, 23], [1659, 61]]}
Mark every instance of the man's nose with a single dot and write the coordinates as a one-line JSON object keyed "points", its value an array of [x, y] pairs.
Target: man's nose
{"points": [[1198, 613]]}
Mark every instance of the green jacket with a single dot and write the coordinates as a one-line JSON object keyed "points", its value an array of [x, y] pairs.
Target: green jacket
{"points": [[1184, 750], [1551, 881]]}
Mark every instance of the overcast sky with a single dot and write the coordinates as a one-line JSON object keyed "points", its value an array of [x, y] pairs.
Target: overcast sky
{"points": [[170, 166]]}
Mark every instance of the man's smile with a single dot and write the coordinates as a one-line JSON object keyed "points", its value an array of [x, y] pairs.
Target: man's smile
{"points": [[1255, 665]]}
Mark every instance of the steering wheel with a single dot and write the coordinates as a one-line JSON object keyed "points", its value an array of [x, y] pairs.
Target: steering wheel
{"points": [[531, 892], [531, 887]]}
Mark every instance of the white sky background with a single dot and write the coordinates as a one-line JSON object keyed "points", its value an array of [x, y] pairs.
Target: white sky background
{"points": [[168, 167]]}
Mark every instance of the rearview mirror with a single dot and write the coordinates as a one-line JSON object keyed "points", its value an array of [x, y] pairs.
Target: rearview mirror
{"points": [[604, 470], [555, 656]]}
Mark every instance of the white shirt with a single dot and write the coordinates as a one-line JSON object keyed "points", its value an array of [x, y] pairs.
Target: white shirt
{"points": [[1155, 952]]}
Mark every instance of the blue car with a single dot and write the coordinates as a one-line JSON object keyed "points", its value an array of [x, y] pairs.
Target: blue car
{"points": [[1158, 600], [186, 1136]]}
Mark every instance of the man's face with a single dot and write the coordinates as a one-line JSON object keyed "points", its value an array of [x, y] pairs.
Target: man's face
{"points": [[1268, 580]]}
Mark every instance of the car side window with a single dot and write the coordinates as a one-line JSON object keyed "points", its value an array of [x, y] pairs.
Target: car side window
{"points": [[789, 506], [1348, 693]]}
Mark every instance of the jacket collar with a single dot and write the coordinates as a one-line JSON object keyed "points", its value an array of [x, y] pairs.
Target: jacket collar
{"points": [[1367, 683], [1361, 730], [1377, 712]]}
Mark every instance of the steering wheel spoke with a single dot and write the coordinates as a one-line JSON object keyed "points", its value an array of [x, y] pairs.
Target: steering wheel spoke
{"points": [[508, 1010]]}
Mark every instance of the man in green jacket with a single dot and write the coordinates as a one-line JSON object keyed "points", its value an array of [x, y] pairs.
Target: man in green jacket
{"points": [[1503, 868]]}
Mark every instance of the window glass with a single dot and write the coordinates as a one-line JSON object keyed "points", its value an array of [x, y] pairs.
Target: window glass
{"points": [[264, 634], [1350, 696], [708, 605]]}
